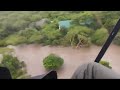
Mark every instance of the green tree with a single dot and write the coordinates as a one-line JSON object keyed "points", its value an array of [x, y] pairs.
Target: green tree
{"points": [[52, 62], [100, 36], [4, 50], [17, 68], [87, 19], [35, 38], [15, 39], [117, 39], [27, 32], [109, 19], [2, 43], [78, 35], [7, 30], [51, 35]]}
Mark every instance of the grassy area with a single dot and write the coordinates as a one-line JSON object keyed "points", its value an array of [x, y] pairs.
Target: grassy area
{"points": [[4, 50]]}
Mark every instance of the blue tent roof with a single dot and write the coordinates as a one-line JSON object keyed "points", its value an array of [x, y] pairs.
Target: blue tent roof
{"points": [[65, 23]]}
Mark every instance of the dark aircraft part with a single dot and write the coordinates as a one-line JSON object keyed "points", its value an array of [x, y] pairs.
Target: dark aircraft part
{"points": [[108, 42]]}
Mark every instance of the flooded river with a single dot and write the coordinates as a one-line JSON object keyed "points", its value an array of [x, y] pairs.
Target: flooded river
{"points": [[33, 56]]}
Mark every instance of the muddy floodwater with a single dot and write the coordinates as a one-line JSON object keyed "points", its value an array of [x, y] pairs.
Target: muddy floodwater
{"points": [[33, 56]]}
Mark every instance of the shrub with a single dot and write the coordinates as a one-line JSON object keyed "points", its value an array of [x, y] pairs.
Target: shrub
{"points": [[4, 50], [63, 31], [2, 43], [35, 38], [100, 36], [17, 68], [117, 39], [51, 33], [109, 19], [50, 36], [56, 42], [109, 24], [52, 62], [27, 32], [105, 63], [77, 35], [86, 19], [15, 39]]}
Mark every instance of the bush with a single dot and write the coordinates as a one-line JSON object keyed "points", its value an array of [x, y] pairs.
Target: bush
{"points": [[15, 40], [110, 24], [27, 32], [87, 19], [78, 35], [50, 35], [105, 63], [63, 31], [17, 68], [100, 36], [109, 19], [56, 42], [2, 43], [51, 32], [117, 39], [35, 38], [4, 50], [52, 62]]}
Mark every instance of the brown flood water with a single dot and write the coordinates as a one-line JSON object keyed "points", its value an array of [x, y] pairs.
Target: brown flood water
{"points": [[33, 55]]}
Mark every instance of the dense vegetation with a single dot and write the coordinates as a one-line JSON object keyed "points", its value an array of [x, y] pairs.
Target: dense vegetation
{"points": [[5, 50], [18, 27], [100, 36], [41, 27], [52, 62], [17, 68], [117, 39]]}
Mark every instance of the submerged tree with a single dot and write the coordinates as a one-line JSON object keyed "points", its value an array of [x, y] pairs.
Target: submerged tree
{"points": [[77, 36], [100, 36], [17, 68], [52, 62]]}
